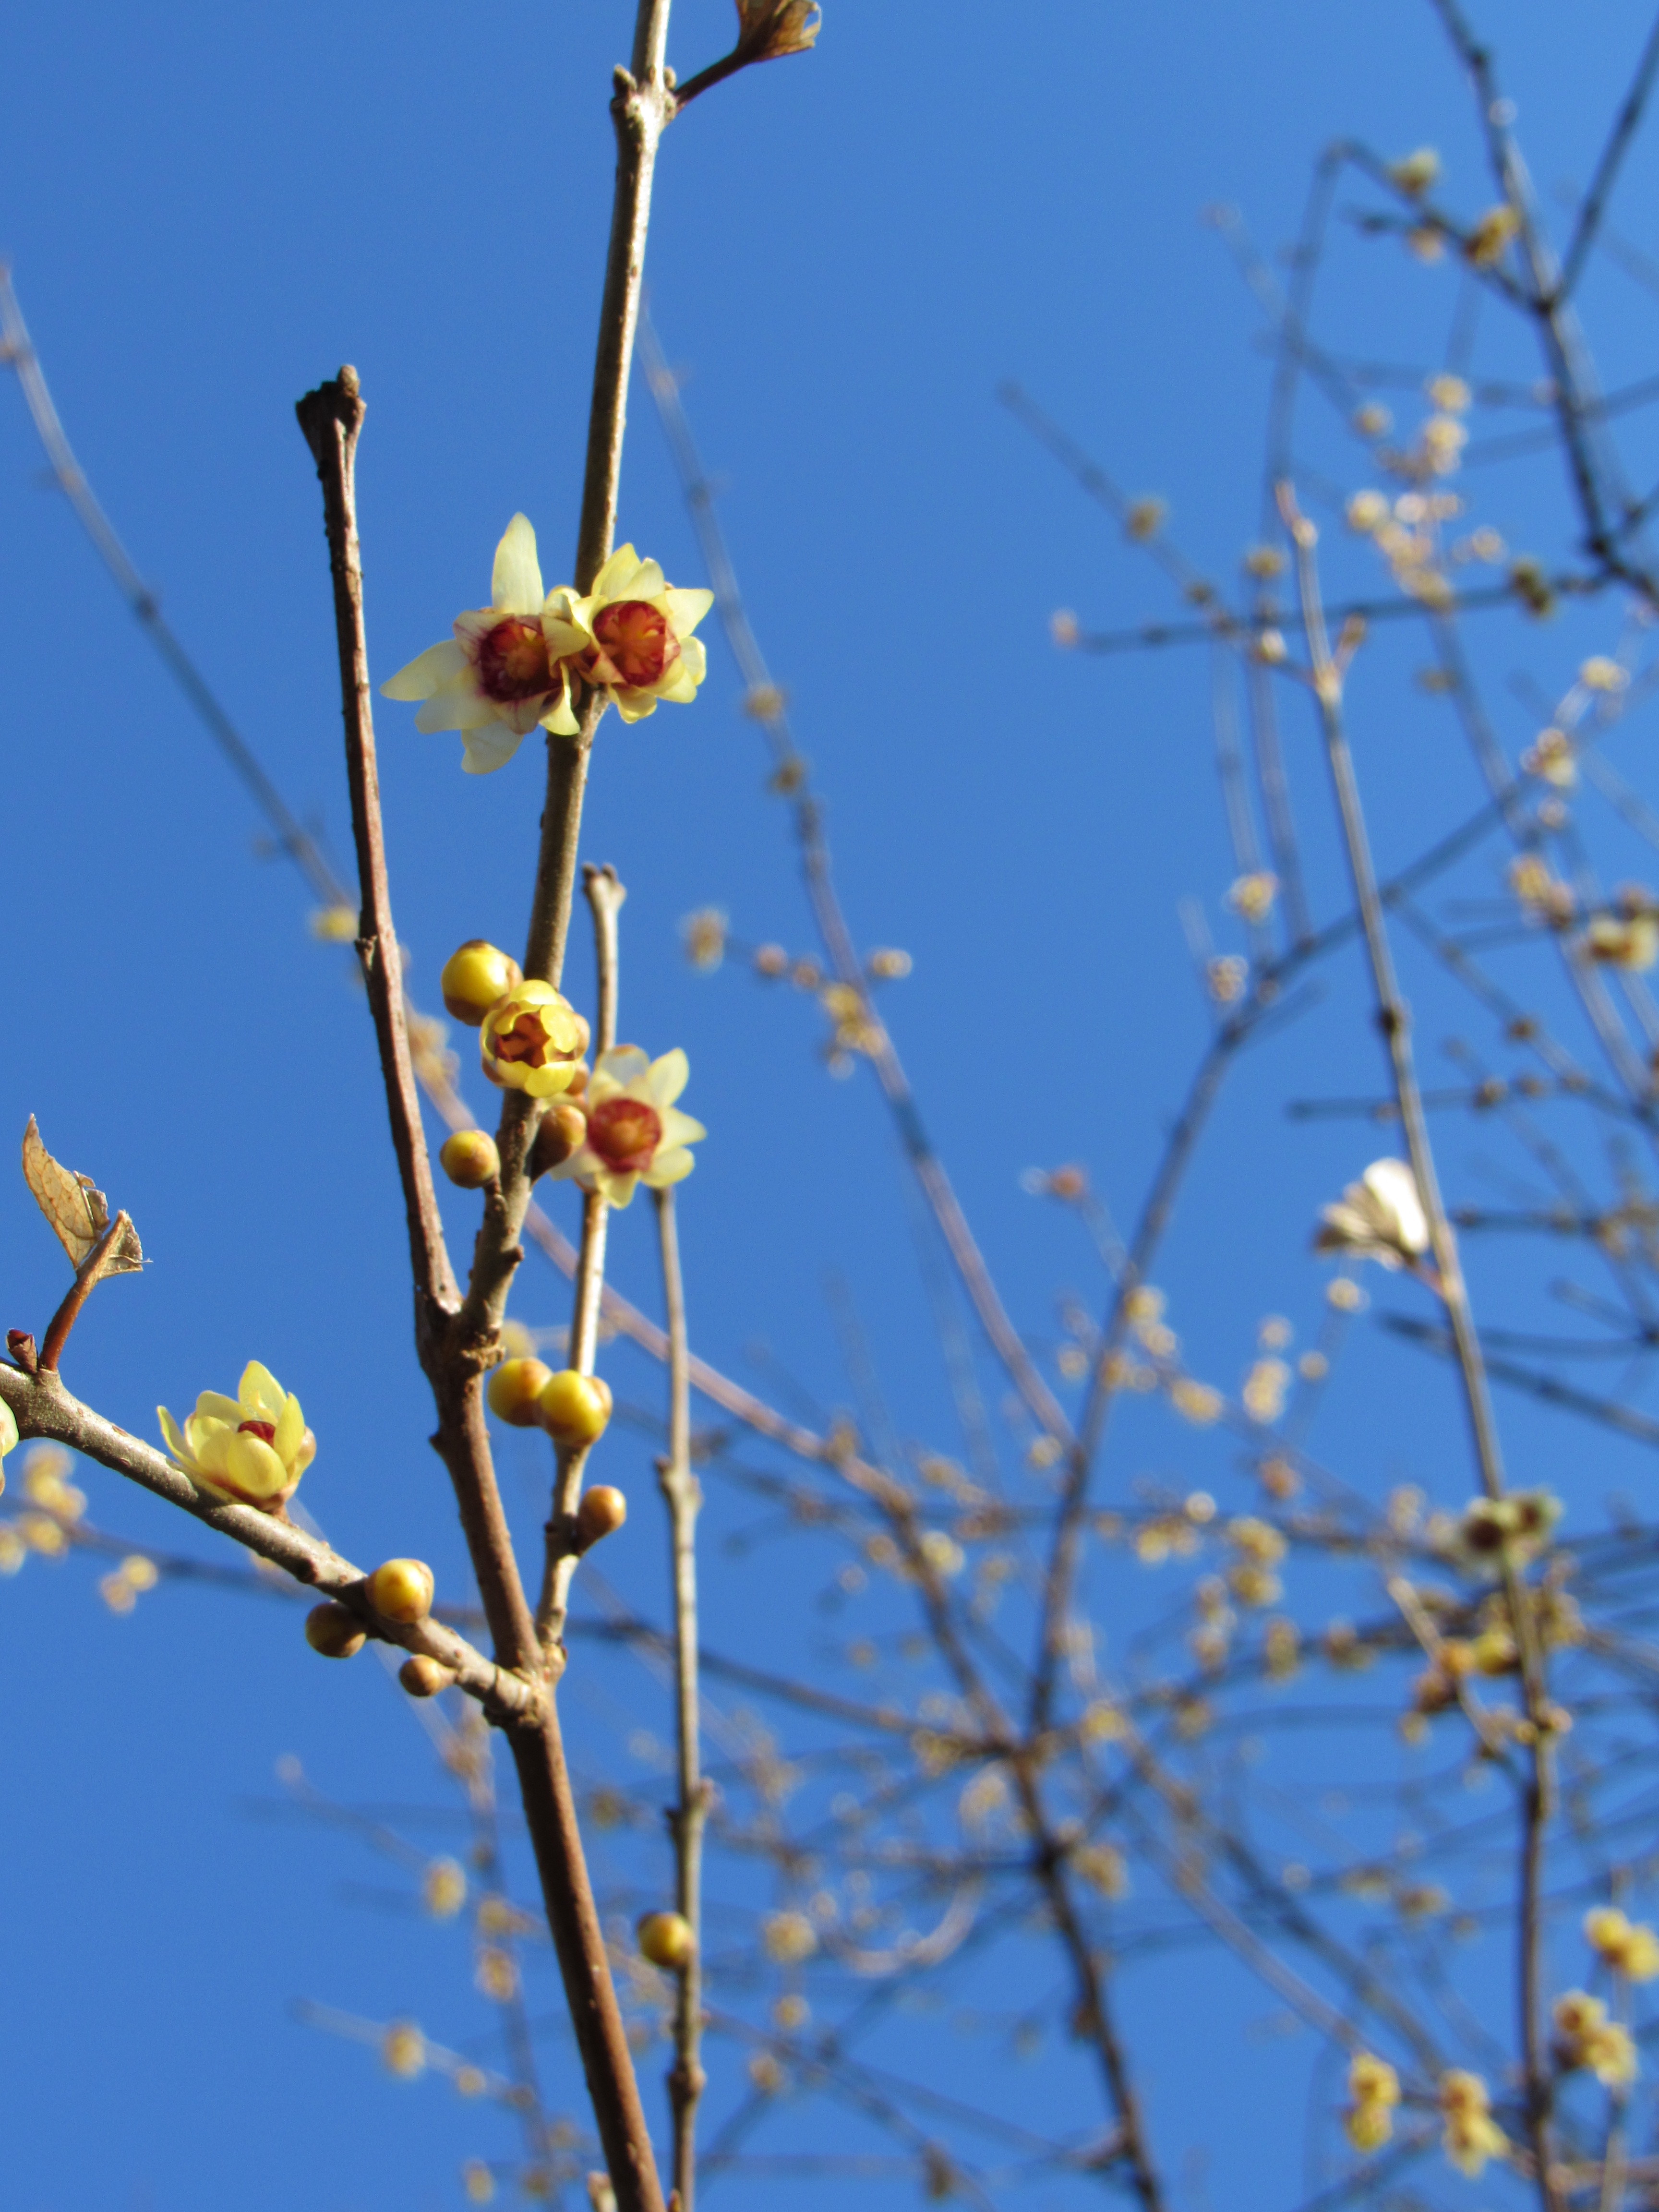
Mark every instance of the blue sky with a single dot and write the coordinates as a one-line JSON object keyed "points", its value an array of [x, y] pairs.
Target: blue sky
{"points": [[207, 210]]}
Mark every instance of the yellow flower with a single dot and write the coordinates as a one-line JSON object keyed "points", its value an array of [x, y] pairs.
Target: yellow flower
{"points": [[1629, 1947], [253, 1448], [1618, 941], [533, 1040], [1418, 172], [1487, 241], [1471, 2135], [635, 632], [1379, 1217], [634, 1130], [508, 667]]}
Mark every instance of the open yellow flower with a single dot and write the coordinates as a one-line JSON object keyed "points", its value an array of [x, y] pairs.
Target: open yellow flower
{"points": [[635, 1133], [637, 633], [253, 1448], [507, 667]]}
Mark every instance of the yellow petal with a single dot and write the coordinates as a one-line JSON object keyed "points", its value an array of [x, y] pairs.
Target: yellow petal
{"points": [[670, 1167], [618, 571], [515, 583], [488, 748], [685, 610], [427, 673], [646, 582], [561, 717], [214, 1405], [669, 1077], [290, 1431], [679, 684], [260, 1390], [459, 706], [622, 1066], [173, 1435], [679, 1128], [634, 706], [251, 1470]]}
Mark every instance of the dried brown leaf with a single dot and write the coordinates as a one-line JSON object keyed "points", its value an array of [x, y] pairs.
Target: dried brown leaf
{"points": [[78, 1211], [768, 29]]}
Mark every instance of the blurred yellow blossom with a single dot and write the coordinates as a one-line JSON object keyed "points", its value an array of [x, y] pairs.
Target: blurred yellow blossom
{"points": [[703, 934], [1487, 241], [1600, 673], [1629, 1947], [1379, 1217], [1416, 172], [403, 2048], [1469, 2135], [443, 1888], [334, 925]]}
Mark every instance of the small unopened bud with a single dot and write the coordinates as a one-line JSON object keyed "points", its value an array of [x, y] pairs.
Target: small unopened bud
{"points": [[601, 1513], [562, 1128], [424, 1678], [402, 1590], [469, 1160], [575, 1409], [335, 1630], [513, 1390], [665, 1939], [474, 977]]}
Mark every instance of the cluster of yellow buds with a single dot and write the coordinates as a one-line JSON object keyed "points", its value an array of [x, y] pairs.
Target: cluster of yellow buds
{"points": [[46, 1484], [1545, 897], [1260, 1548], [531, 656], [1373, 2086], [1629, 1947], [1585, 2038], [122, 1590], [1469, 2135], [1628, 939], [250, 1450]]}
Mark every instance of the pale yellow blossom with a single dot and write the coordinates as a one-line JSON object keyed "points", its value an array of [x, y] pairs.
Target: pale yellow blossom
{"points": [[253, 1448], [635, 1133]]}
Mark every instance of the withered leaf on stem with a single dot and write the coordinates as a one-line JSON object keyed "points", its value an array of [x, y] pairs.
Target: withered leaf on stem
{"points": [[77, 1212], [768, 29]]}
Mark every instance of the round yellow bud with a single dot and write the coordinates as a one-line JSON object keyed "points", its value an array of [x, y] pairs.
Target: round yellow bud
{"points": [[475, 977], [514, 1389], [402, 1590], [469, 1160], [335, 1631], [665, 1939], [601, 1513], [424, 1678], [562, 1128], [575, 1409]]}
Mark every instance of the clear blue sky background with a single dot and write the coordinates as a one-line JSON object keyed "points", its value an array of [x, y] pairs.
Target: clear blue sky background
{"points": [[207, 210]]}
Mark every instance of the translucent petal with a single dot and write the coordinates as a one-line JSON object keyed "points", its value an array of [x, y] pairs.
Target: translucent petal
{"points": [[685, 610], [561, 717], [694, 658], [679, 685], [212, 1450], [622, 1066], [515, 583], [214, 1405], [634, 706], [670, 1167], [489, 747], [173, 1435], [618, 1188], [563, 637], [669, 1077], [679, 1128], [646, 582], [427, 673]]}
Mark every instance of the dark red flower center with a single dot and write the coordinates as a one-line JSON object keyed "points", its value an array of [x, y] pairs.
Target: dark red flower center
{"points": [[265, 1431], [636, 640], [527, 1041], [625, 1133], [512, 662]]}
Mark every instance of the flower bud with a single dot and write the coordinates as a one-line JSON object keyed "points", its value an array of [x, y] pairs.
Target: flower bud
{"points": [[402, 1590], [533, 1040], [601, 1513], [575, 1409], [424, 1678], [564, 1127], [335, 1630], [469, 1160], [513, 1389], [665, 1939], [475, 977]]}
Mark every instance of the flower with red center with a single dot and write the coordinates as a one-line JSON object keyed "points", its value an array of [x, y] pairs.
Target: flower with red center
{"points": [[638, 628], [251, 1449], [533, 1040], [507, 667], [635, 1132]]}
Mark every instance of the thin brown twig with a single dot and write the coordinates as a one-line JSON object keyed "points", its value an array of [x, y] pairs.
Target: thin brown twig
{"points": [[683, 1496]]}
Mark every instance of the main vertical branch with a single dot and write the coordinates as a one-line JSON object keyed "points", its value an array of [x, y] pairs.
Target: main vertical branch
{"points": [[683, 1497]]}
